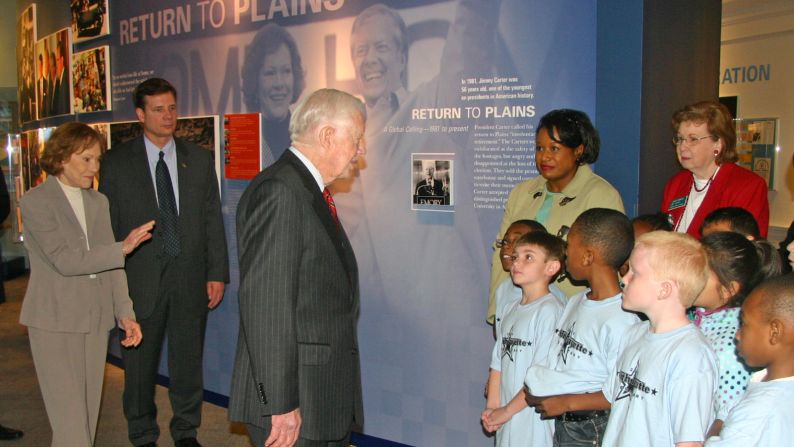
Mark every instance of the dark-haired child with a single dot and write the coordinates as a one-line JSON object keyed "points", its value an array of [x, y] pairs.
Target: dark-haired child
{"points": [[646, 223], [588, 334], [735, 267], [662, 387], [765, 340], [731, 218], [523, 338], [507, 292]]}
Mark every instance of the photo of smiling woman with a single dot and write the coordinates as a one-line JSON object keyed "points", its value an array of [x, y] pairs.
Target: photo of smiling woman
{"points": [[566, 144], [273, 79], [705, 144]]}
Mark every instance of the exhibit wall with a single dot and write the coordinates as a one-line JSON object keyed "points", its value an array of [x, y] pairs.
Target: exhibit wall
{"points": [[463, 96], [756, 66]]}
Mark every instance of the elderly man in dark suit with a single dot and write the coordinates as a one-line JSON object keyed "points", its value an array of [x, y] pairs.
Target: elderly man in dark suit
{"points": [[180, 274], [296, 376]]}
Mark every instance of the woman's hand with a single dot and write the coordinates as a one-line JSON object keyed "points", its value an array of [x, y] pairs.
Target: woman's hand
{"points": [[136, 237], [132, 333]]}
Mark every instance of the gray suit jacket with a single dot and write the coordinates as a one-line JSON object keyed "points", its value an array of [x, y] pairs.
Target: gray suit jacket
{"points": [[299, 305], [61, 295], [126, 180]]}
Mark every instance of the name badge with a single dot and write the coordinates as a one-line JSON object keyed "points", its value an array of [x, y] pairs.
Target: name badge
{"points": [[678, 203]]}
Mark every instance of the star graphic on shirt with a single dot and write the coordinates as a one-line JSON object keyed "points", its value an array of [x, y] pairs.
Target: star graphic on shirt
{"points": [[509, 342], [628, 382], [569, 343]]}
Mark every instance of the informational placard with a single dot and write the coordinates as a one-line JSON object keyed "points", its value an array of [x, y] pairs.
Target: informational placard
{"points": [[242, 145], [756, 145]]}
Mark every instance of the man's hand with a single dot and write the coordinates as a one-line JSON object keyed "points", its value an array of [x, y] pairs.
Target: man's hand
{"points": [[214, 293], [285, 429]]}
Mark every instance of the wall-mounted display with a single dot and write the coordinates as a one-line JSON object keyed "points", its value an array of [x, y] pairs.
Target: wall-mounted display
{"points": [[756, 145], [91, 80], [200, 130], [432, 179], [89, 19], [26, 72], [53, 53], [32, 146], [242, 145]]}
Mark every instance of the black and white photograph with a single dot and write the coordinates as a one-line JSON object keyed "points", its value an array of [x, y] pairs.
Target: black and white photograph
{"points": [[91, 80], [431, 177], [53, 53], [89, 19]]}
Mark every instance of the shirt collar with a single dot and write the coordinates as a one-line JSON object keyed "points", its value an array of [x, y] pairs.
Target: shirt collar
{"points": [[153, 152], [310, 166]]}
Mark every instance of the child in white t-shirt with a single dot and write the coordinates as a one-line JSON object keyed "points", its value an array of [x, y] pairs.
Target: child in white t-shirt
{"points": [[662, 386], [523, 337], [765, 339]]}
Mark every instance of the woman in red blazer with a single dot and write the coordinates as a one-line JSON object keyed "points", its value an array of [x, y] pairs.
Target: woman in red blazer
{"points": [[705, 143]]}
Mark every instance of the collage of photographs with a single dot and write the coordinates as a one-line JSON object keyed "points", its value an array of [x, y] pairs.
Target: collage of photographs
{"points": [[55, 81]]}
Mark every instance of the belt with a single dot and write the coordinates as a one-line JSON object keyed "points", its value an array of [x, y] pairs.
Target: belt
{"points": [[579, 416]]}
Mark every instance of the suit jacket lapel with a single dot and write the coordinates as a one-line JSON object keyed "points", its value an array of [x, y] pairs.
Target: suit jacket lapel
{"points": [[90, 206], [62, 205], [320, 207], [142, 174], [183, 174]]}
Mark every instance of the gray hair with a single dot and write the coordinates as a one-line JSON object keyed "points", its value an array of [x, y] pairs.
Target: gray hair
{"points": [[323, 105]]}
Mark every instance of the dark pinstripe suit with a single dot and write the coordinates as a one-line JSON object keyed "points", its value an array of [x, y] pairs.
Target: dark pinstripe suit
{"points": [[298, 307]]}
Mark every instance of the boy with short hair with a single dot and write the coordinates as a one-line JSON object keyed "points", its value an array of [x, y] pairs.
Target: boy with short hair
{"points": [[765, 339], [507, 292], [589, 332], [523, 338], [731, 218], [662, 387]]}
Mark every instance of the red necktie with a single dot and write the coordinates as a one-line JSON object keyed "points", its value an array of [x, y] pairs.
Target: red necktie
{"points": [[331, 206]]}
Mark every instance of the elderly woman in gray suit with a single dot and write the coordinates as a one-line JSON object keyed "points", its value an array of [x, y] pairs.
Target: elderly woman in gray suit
{"points": [[77, 289]]}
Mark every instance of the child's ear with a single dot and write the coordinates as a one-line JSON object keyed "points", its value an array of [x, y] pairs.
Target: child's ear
{"points": [[553, 267], [776, 330], [587, 256], [729, 291], [665, 290]]}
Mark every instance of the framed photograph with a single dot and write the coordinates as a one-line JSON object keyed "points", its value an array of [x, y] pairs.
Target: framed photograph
{"points": [[756, 146], [32, 146], [26, 65], [53, 54], [432, 179], [90, 19], [202, 131], [91, 80]]}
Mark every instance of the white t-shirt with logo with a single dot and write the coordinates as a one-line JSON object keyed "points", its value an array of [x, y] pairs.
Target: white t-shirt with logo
{"points": [[662, 388], [586, 346]]}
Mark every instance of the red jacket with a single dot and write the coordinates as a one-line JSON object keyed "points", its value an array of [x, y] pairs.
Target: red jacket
{"points": [[733, 186]]}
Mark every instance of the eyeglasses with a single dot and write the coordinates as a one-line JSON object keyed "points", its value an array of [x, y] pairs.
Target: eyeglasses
{"points": [[500, 243], [690, 140]]}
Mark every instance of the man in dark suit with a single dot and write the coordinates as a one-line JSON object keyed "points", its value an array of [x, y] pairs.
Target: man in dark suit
{"points": [[60, 97], [429, 188], [296, 375], [177, 276]]}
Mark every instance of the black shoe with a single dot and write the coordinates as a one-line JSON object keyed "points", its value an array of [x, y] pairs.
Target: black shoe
{"points": [[186, 442], [148, 444], [7, 434]]}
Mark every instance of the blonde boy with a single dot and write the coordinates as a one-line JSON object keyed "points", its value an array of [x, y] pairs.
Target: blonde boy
{"points": [[663, 384]]}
